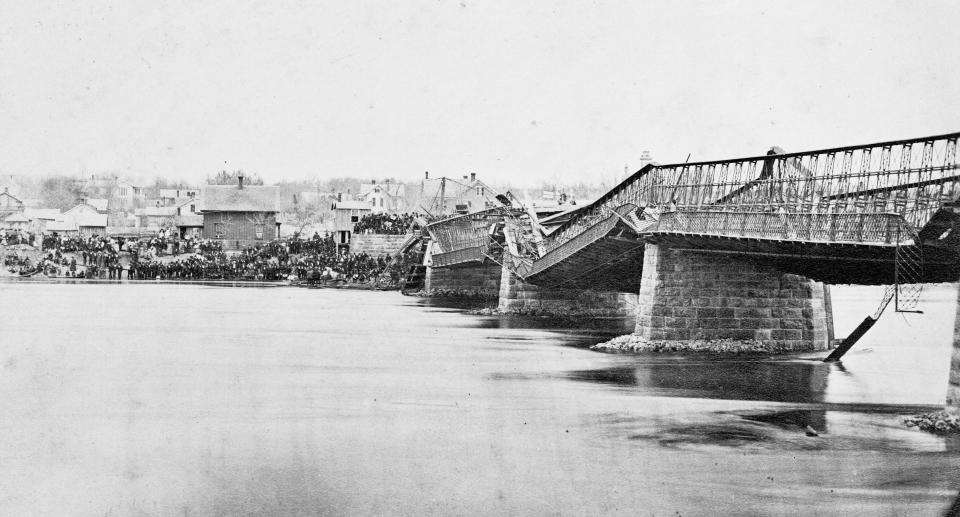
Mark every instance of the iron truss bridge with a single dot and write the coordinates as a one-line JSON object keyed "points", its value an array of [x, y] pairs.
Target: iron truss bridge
{"points": [[882, 213]]}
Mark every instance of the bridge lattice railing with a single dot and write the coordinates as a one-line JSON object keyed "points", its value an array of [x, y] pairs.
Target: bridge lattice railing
{"points": [[911, 178], [466, 238], [853, 228]]}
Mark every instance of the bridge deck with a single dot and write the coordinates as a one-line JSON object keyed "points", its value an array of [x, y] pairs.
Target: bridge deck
{"points": [[839, 215]]}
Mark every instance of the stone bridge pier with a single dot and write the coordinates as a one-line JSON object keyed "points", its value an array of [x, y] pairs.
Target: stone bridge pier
{"points": [[480, 281], [519, 296], [953, 385], [687, 296], [493, 285]]}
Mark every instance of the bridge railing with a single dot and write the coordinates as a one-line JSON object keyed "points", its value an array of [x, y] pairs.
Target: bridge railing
{"points": [[912, 178], [600, 228], [886, 228], [465, 255], [463, 231]]}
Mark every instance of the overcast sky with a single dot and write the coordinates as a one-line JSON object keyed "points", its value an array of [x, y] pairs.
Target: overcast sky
{"points": [[511, 90]]}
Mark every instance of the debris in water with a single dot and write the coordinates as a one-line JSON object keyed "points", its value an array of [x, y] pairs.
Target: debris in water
{"points": [[939, 422]]}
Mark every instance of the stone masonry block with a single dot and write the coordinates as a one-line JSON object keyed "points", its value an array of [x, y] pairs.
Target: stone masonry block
{"points": [[709, 297]]}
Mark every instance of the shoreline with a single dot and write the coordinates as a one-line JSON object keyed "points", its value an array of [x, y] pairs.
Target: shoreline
{"points": [[40, 278]]}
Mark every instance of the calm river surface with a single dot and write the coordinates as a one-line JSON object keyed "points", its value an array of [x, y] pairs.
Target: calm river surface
{"points": [[167, 399]]}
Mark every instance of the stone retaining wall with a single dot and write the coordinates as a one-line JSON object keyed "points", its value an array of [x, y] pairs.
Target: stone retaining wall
{"points": [[376, 244], [696, 296]]}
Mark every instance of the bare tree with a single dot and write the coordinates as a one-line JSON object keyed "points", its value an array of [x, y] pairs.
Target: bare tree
{"points": [[225, 177], [259, 221], [305, 215]]}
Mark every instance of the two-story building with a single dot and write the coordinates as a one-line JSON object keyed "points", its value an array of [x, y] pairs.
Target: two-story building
{"points": [[9, 204], [383, 197], [345, 215], [240, 216], [165, 216], [83, 219], [175, 196]]}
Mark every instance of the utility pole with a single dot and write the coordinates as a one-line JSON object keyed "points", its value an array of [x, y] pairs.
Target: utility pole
{"points": [[443, 195]]}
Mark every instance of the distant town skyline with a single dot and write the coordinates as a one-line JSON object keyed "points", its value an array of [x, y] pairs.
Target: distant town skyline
{"points": [[516, 92]]}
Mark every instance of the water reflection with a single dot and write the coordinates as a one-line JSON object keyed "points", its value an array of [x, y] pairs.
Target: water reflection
{"points": [[804, 419], [708, 377]]}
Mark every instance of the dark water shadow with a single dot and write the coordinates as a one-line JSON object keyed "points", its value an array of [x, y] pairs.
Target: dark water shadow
{"points": [[814, 419], [774, 381], [455, 302], [785, 430], [722, 435], [954, 510], [601, 329]]}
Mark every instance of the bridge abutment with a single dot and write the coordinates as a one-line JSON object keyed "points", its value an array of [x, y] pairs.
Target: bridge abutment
{"points": [[953, 384], [689, 296], [517, 296], [477, 281]]}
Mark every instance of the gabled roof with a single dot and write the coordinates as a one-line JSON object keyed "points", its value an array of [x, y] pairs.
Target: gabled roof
{"points": [[82, 208], [42, 213], [391, 189], [82, 215], [230, 198], [91, 220], [61, 226], [11, 196], [99, 203], [17, 218]]}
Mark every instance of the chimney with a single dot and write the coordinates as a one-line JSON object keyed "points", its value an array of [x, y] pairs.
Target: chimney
{"points": [[426, 175], [240, 180], [473, 176]]}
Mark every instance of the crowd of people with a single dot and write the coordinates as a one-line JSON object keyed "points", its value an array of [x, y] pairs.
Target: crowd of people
{"points": [[82, 256], [313, 260], [14, 237], [16, 263], [396, 224]]}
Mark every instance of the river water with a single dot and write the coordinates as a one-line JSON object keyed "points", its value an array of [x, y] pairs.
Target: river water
{"points": [[187, 399]]}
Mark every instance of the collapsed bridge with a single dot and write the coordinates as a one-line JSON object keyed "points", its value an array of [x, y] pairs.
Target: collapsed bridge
{"points": [[737, 248]]}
